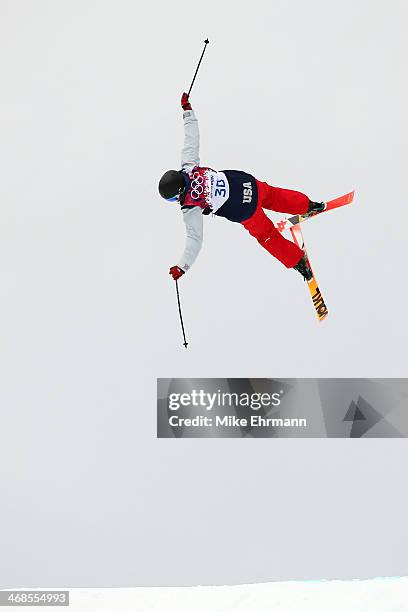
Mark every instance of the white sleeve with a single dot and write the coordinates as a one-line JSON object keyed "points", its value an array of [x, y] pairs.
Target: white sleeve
{"points": [[193, 220], [190, 153]]}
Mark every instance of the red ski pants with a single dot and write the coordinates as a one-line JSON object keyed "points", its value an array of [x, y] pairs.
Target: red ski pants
{"points": [[262, 228]]}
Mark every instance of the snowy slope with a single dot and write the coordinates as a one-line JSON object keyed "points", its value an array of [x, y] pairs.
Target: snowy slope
{"points": [[380, 595]]}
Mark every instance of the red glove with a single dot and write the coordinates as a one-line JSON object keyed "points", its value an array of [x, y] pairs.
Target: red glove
{"points": [[176, 272], [185, 103]]}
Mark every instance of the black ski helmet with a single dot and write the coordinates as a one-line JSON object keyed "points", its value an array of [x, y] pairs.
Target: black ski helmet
{"points": [[171, 184]]}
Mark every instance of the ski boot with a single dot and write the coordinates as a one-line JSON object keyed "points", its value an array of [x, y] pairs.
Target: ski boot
{"points": [[314, 208], [304, 268]]}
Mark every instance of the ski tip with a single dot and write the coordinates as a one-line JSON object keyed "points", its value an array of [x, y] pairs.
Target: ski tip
{"points": [[350, 197], [318, 301], [340, 201]]}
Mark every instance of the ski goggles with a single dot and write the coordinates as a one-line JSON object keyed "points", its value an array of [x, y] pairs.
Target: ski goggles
{"points": [[177, 197]]}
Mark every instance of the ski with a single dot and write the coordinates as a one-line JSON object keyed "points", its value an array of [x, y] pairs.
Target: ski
{"points": [[315, 293], [285, 224]]}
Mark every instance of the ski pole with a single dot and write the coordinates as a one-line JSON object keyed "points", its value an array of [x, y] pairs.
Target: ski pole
{"points": [[194, 77], [181, 316]]}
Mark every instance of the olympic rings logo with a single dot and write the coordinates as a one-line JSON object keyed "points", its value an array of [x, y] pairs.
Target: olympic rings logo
{"points": [[197, 186]]}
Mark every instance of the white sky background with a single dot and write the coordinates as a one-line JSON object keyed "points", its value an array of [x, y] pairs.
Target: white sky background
{"points": [[306, 95]]}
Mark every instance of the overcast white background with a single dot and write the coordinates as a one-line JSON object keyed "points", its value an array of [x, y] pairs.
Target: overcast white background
{"points": [[306, 95]]}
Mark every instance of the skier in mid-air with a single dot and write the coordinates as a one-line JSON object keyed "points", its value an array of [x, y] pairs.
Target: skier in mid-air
{"points": [[235, 195]]}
